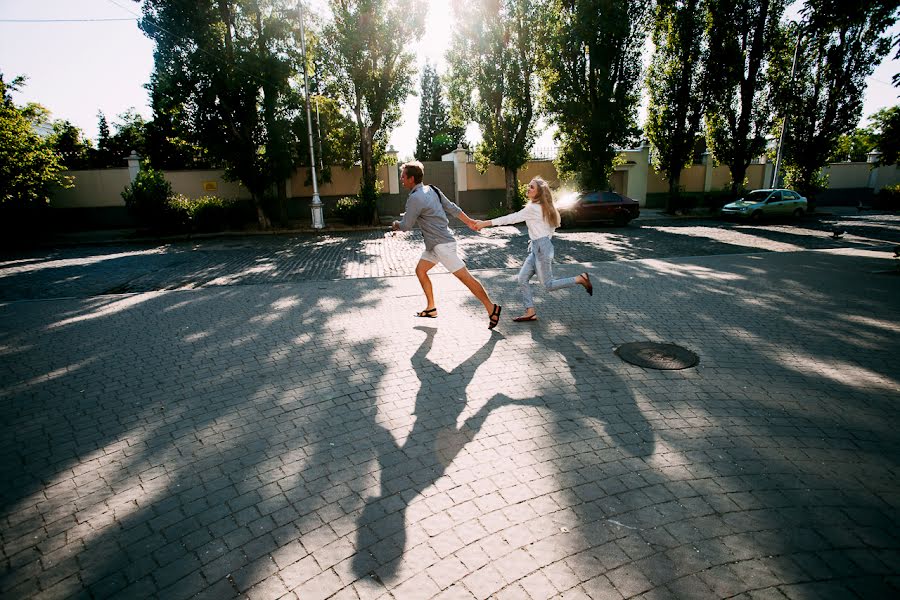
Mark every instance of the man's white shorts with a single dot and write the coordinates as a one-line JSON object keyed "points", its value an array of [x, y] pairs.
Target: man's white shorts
{"points": [[446, 255]]}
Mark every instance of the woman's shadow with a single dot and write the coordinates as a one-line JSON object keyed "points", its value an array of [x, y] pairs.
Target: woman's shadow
{"points": [[430, 447]]}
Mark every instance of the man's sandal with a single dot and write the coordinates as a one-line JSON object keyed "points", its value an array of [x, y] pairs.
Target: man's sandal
{"points": [[427, 313], [525, 318], [495, 316]]}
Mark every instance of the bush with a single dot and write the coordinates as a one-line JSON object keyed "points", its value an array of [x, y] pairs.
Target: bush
{"points": [[351, 210], [205, 214], [887, 198], [147, 198]]}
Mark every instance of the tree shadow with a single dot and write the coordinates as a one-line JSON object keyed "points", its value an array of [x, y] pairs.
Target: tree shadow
{"points": [[431, 445], [175, 453]]}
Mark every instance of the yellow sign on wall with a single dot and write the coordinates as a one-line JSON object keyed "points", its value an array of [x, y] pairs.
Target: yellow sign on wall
{"points": [[210, 186]]}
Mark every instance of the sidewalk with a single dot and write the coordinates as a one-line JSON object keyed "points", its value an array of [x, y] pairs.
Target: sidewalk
{"points": [[314, 440], [119, 236]]}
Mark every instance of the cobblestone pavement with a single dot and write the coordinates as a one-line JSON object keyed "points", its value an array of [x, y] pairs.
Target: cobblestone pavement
{"points": [[250, 260], [300, 438]]}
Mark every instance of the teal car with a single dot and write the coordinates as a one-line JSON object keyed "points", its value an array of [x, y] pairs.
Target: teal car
{"points": [[766, 203]]}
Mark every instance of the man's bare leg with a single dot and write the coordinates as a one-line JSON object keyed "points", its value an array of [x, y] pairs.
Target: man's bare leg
{"points": [[476, 288], [425, 281]]}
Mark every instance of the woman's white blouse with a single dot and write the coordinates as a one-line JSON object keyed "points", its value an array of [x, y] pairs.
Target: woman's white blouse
{"points": [[533, 216]]}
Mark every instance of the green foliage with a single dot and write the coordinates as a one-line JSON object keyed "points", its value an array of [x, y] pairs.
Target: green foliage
{"points": [[147, 198], [437, 135], [854, 146], [222, 72], [887, 134], [840, 44], [130, 135], [493, 63], [74, 151], [368, 72], [210, 213], [674, 84], [29, 164], [351, 210], [887, 198], [741, 36], [592, 78], [806, 183]]}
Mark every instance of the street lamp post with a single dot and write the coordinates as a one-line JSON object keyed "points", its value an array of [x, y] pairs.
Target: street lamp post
{"points": [[784, 117], [318, 222]]}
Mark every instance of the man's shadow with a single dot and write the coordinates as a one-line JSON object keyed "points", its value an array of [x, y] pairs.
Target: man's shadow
{"points": [[430, 447]]}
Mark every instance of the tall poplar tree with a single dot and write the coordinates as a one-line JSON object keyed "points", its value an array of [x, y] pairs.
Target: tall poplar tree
{"points": [[837, 45], [592, 80], [739, 106], [674, 84], [493, 63], [224, 66], [372, 72], [437, 135]]}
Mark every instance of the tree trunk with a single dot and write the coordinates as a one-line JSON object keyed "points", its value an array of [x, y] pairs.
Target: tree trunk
{"points": [[369, 190], [671, 199], [262, 219], [512, 187], [281, 190]]}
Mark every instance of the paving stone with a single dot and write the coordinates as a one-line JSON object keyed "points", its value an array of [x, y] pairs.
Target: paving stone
{"points": [[167, 443]]}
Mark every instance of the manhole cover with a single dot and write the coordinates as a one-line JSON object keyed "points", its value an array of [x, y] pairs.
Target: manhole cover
{"points": [[653, 355]]}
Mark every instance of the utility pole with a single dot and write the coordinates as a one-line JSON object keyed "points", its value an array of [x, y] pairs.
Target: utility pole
{"points": [[784, 117], [318, 221]]}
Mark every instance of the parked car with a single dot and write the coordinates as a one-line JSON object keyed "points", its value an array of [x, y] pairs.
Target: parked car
{"points": [[597, 206], [766, 203]]}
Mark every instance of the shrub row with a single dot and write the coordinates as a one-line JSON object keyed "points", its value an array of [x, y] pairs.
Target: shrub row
{"points": [[154, 205]]}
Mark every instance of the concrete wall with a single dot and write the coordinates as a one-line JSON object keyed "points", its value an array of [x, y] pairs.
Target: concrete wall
{"points": [[100, 190], [94, 188]]}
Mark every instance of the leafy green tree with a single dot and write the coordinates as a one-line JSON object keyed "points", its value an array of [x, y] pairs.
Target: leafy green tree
{"points": [[739, 107], [437, 135], [29, 164], [854, 146], [493, 64], [335, 133], [223, 68], [887, 134], [592, 79], [169, 144], [674, 83], [840, 45], [74, 150], [130, 134], [371, 73], [336, 136]]}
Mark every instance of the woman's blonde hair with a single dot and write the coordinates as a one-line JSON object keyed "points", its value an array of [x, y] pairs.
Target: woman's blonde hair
{"points": [[545, 199]]}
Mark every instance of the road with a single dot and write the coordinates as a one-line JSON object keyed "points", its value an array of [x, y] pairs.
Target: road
{"points": [[93, 270]]}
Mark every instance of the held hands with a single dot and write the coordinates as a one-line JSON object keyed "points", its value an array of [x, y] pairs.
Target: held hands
{"points": [[479, 225]]}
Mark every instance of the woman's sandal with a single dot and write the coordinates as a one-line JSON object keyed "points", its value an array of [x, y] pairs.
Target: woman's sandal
{"points": [[588, 286], [495, 316], [426, 314], [525, 318]]}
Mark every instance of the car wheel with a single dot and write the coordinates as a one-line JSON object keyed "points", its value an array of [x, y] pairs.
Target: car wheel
{"points": [[621, 220], [756, 217], [798, 213], [567, 220]]}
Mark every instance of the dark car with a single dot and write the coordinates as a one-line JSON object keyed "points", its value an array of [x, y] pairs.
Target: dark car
{"points": [[597, 207]]}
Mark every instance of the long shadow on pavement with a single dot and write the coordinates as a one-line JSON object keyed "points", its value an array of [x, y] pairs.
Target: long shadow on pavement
{"points": [[430, 447]]}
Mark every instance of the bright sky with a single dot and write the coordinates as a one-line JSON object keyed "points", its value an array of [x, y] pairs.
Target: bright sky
{"points": [[79, 67]]}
